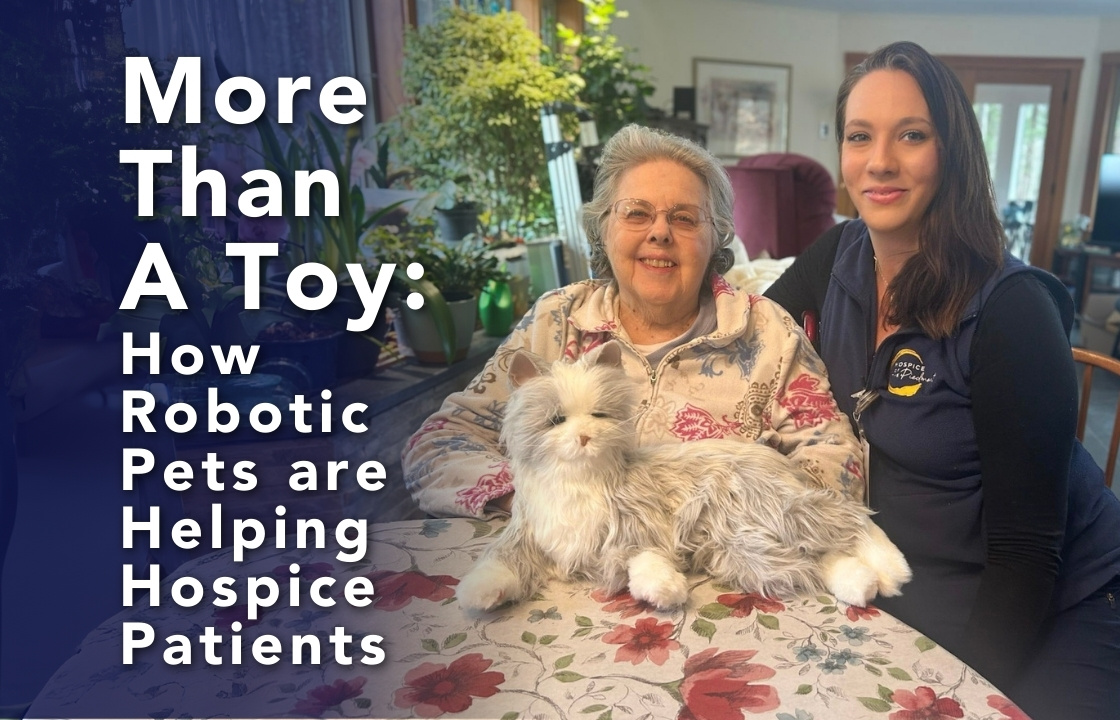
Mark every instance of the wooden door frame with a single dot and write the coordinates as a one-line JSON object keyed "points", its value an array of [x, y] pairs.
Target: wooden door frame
{"points": [[1062, 74], [1104, 115]]}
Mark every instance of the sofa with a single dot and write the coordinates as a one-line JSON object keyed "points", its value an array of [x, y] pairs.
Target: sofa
{"points": [[783, 201]]}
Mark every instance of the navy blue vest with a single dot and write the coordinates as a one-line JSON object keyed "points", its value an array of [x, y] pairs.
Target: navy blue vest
{"points": [[924, 474]]}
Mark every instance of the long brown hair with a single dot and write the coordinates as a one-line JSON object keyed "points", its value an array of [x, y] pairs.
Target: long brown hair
{"points": [[960, 241]]}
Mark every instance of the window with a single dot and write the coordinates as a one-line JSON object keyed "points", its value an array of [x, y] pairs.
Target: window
{"points": [[1030, 147], [1114, 141], [989, 115], [427, 10], [257, 38]]}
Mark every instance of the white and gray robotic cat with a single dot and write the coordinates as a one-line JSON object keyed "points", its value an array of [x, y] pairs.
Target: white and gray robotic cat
{"points": [[590, 503]]}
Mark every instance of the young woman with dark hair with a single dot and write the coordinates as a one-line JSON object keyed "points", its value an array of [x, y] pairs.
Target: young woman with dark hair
{"points": [[953, 362]]}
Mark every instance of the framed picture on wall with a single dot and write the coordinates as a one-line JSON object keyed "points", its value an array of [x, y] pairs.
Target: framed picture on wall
{"points": [[745, 106]]}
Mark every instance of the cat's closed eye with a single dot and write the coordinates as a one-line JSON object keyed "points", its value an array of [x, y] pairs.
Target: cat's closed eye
{"points": [[557, 419], [599, 415]]}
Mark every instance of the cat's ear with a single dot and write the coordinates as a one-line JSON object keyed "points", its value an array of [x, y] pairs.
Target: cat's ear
{"points": [[522, 368], [608, 354]]}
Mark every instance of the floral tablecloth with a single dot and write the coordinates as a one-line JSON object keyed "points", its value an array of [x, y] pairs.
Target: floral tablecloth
{"points": [[571, 651]]}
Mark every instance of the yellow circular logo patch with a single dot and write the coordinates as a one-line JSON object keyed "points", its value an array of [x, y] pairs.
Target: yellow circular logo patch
{"points": [[907, 374]]}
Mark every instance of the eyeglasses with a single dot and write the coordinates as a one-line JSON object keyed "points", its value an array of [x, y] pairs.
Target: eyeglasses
{"points": [[635, 214]]}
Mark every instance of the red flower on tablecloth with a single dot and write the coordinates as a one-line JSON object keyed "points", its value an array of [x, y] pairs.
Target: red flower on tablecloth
{"points": [[807, 402], [1009, 709], [923, 704], [693, 423], [489, 486], [721, 686], [856, 613], [646, 639], [743, 604], [623, 603], [394, 590], [227, 616], [432, 689], [324, 697]]}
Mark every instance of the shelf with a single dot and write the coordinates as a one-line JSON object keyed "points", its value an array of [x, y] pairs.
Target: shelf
{"points": [[1102, 275]]}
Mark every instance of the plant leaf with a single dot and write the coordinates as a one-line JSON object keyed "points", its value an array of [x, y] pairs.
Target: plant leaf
{"points": [[703, 628], [875, 704], [899, 674], [567, 676], [715, 611], [768, 621]]}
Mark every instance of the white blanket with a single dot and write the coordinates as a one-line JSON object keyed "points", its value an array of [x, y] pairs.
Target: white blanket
{"points": [[754, 276]]}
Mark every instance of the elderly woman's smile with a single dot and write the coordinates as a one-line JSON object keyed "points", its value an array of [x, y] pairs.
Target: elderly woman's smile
{"points": [[660, 268]]}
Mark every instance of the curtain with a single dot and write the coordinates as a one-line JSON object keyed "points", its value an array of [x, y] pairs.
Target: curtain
{"points": [[261, 39]]}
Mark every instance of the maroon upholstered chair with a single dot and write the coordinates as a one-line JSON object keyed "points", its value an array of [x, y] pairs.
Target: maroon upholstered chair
{"points": [[783, 201]]}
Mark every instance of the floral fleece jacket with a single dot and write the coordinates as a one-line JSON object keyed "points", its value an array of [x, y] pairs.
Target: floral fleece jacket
{"points": [[756, 378]]}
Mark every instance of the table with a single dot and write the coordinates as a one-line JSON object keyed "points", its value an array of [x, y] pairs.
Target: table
{"points": [[1102, 275], [570, 651]]}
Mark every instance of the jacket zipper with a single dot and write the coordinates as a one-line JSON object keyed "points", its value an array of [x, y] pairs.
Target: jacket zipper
{"points": [[863, 399]]}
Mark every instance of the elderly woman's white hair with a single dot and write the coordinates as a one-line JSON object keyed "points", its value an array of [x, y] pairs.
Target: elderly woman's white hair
{"points": [[634, 145]]}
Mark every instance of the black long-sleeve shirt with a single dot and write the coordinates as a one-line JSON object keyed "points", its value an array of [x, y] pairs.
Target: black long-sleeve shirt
{"points": [[1023, 393]]}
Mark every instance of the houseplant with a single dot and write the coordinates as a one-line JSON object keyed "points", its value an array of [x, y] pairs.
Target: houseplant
{"points": [[455, 213], [439, 331], [476, 85], [614, 87], [332, 238]]}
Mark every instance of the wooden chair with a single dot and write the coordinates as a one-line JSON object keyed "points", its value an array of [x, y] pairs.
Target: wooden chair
{"points": [[1091, 360]]}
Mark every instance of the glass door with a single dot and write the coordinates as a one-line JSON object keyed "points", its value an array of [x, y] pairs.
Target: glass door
{"points": [[1025, 107], [1013, 121]]}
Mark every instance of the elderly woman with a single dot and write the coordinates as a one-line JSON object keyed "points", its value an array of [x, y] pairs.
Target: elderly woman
{"points": [[713, 362]]}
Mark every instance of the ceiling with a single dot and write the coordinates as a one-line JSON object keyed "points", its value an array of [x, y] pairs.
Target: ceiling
{"points": [[961, 7]]}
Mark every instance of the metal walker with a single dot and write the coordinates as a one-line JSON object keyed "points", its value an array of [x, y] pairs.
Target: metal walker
{"points": [[562, 175]]}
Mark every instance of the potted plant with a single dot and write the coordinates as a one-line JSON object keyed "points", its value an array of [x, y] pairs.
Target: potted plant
{"points": [[476, 85], [439, 331], [614, 87], [333, 239], [456, 214]]}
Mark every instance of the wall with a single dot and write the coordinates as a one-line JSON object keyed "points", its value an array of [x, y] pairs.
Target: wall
{"points": [[667, 34]]}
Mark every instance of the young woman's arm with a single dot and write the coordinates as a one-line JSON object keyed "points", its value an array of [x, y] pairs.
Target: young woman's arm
{"points": [[1024, 405]]}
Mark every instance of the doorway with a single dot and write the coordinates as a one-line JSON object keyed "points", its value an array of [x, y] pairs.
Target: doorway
{"points": [[1025, 107]]}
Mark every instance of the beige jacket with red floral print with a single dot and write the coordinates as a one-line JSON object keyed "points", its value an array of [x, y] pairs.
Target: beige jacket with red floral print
{"points": [[756, 378]]}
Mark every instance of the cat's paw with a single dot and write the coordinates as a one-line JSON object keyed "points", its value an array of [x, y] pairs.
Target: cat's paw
{"points": [[849, 579], [488, 585], [884, 557], [656, 581]]}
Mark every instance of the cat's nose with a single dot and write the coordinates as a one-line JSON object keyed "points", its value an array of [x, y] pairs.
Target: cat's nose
{"points": [[583, 440]]}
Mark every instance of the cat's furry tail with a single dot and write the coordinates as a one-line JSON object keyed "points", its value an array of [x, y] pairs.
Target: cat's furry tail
{"points": [[752, 522]]}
